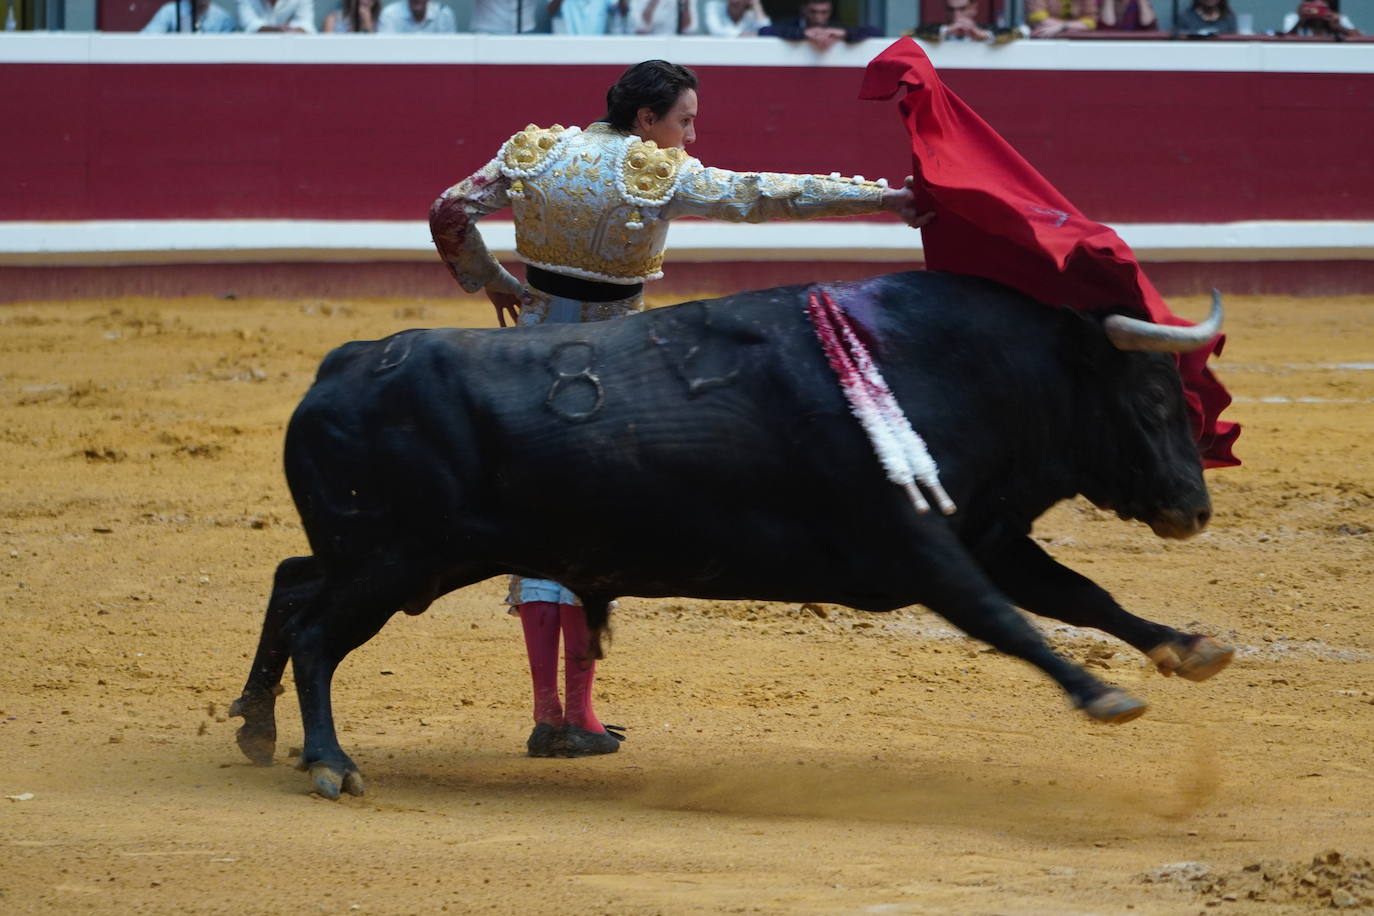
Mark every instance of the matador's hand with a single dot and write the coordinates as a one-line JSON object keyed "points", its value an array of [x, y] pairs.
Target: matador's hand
{"points": [[903, 203], [506, 304]]}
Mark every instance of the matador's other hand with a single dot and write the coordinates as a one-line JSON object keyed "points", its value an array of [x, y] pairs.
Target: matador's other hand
{"points": [[903, 203], [506, 304]]}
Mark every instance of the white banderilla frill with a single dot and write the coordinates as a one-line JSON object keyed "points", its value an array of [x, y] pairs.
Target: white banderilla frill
{"points": [[901, 451]]}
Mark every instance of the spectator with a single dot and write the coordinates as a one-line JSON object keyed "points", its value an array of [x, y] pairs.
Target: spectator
{"points": [[963, 22], [417, 16], [1074, 16], [353, 16], [1207, 17], [661, 17], [581, 17], [277, 15], [1128, 16], [1320, 18], [733, 18], [505, 17], [204, 17], [816, 24]]}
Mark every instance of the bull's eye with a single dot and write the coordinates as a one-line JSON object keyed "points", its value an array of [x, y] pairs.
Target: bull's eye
{"points": [[1160, 404]]}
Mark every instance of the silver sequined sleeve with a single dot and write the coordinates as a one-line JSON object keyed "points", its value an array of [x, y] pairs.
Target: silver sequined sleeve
{"points": [[753, 197]]}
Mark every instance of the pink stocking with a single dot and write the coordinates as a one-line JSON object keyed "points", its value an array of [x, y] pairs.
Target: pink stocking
{"points": [[578, 671], [539, 620]]}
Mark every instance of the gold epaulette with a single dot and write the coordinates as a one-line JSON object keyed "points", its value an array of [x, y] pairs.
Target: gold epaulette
{"points": [[648, 174], [527, 152]]}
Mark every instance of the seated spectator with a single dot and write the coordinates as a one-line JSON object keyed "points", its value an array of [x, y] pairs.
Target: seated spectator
{"points": [[1073, 16], [661, 17], [1320, 18], [505, 17], [204, 16], [816, 24], [581, 17], [417, 16], [353, 16], [733, 18], [277, 15], [1206, 17], [962, 22], [1128, 16]]}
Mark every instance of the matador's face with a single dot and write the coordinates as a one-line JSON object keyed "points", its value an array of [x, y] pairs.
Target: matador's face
{"points": [[677, 126]]}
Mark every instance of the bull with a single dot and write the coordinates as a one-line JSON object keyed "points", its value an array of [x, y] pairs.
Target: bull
{"points": [[705, 450]]}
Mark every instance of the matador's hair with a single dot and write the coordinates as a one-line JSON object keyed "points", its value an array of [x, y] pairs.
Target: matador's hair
{"points": [[653, 84]]}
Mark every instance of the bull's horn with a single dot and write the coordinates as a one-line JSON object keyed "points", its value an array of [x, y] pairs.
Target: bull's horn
{"points": [[1134, 334]]}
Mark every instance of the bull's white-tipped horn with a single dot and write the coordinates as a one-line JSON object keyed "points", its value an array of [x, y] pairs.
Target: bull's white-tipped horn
{"points": [[1134, 334]]}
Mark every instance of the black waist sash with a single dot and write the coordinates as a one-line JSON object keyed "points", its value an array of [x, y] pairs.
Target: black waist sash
{"points": [[566, 287]]}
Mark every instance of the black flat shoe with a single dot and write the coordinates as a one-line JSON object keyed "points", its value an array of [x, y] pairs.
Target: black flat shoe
{"points": [[545, 740], [578, 742]]}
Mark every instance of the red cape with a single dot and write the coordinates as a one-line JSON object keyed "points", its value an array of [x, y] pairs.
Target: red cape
{"points": [[997, 217]]}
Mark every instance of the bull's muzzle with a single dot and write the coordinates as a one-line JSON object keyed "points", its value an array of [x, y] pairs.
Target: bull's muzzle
{"points": [[1180, 524]]}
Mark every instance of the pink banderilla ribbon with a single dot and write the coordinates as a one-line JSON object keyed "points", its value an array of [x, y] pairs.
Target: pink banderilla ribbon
{"points": [[902, 453]]}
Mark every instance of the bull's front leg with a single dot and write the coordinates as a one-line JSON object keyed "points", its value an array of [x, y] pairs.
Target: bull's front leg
{"points": [[953, 586], [1042, 585]]}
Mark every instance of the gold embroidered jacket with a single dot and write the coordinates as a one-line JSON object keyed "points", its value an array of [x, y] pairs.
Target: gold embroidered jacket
{"points": [[596, 204]]}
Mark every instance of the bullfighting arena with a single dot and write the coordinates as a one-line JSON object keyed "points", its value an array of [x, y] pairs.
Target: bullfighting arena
{"points": [[781, 759]]}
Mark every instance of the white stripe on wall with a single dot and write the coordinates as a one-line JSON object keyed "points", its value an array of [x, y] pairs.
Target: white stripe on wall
{"points": [[218, 241]]}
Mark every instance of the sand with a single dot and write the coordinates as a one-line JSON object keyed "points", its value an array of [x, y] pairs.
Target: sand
{"points": [[781, 759]]}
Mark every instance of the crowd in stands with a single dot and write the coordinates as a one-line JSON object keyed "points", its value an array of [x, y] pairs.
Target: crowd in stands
{"points": [[1196, 19], [1049, 18], [815, 21]]}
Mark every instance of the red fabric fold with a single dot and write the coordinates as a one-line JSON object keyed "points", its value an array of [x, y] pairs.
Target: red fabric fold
{"points": [[997, 217]]}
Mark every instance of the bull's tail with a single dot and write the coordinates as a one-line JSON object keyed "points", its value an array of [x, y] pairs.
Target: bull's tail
{"points": [[598, 611]]}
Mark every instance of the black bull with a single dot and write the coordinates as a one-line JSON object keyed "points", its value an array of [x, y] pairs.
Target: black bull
{"points": [[706, 451]]}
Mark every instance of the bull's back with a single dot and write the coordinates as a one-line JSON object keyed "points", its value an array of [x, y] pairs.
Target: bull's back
{"points": [[737, 383]]}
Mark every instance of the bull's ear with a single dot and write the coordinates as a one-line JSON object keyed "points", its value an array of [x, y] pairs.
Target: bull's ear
{"points": [[1084, 329], [1085, 342]]}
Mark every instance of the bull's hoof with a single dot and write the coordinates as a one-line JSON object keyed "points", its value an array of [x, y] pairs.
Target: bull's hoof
{"points": [[1195, 659], [257, 736], [257, 746], [1115, 707], [329, 781]]}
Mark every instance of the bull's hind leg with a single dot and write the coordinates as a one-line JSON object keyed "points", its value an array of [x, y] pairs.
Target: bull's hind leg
{"points": [[954, 587], [344, 618], [1037, 582], [295, 587]]}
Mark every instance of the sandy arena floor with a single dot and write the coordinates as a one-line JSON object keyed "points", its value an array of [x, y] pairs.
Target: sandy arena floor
{"points": [[780, 760]]}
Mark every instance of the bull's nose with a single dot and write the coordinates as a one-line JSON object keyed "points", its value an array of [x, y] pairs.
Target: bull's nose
{"points": [[1180, 523]]}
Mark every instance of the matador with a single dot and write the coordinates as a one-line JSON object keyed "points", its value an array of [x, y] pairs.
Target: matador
{"points": [[591, 209]]}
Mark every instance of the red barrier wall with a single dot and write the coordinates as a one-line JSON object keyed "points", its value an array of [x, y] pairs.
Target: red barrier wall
{"points": [[354, 141]]}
